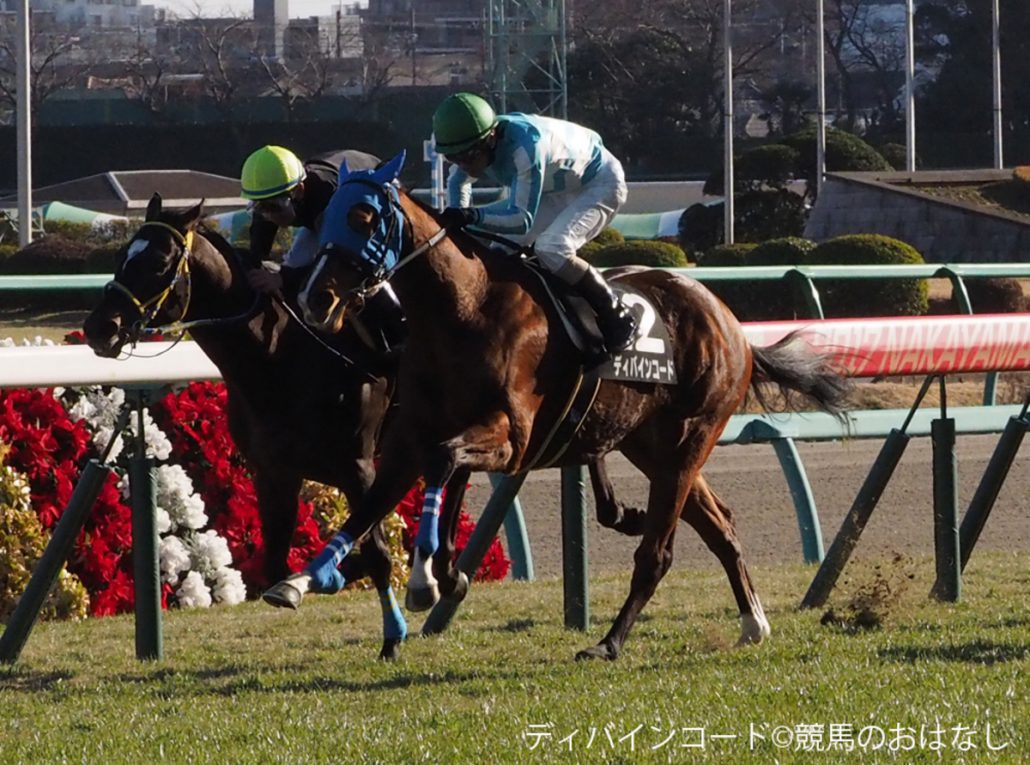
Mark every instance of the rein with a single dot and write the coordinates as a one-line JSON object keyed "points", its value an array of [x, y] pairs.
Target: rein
{"points": [[148, 310]]}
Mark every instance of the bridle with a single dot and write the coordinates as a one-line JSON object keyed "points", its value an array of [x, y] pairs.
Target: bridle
{"points": [[373, 259], [148, 309]]}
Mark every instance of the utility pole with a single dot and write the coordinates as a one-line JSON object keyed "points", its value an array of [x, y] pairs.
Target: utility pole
{"points": [[24, 129]]}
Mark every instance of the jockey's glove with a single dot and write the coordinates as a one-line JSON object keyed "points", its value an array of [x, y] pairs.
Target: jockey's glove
{"points": [[454, 218]]}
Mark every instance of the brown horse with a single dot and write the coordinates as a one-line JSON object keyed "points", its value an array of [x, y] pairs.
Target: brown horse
{"points": [[296, 408], [487, 372]]}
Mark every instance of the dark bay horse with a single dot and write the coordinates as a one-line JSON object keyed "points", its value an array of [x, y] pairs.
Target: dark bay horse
{"points": [[486, 374], [295, 409]]}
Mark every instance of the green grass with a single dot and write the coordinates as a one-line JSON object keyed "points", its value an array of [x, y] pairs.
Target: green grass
{"points": [[257, 685]]}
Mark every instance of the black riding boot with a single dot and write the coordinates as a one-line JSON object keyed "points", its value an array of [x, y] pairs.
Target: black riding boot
{"points": [[617, 324], [383, 316]]}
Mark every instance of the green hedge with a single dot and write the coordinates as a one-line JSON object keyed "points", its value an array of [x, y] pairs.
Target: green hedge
{"points": [[639, 252], [54, 254], [869, 297], [607, 236], [760, 300], [844, 152], [996, 295]]}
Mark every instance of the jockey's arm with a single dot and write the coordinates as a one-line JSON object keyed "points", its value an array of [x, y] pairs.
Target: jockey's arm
{"points": [[514, 214], [459, 188]]}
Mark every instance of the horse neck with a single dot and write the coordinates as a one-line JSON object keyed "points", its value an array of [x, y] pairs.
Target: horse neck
{"points": [[441, 281], [220, 291]]}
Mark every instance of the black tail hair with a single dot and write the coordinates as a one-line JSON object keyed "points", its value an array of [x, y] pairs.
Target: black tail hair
{"points": [[799, 372]]}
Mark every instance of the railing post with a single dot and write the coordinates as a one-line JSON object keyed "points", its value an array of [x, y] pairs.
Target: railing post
{"points": [[574, 547], [45, 573], [987, 492], [804, 503], [855, 521], [945, 511], [145, 561], [479, 542], [517, 537]]}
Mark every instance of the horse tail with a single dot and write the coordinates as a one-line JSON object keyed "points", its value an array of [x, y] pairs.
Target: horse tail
{"points": [[798, 372]]}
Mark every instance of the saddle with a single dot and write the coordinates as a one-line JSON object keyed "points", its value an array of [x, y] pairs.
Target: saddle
{"points": [[649, 359]]}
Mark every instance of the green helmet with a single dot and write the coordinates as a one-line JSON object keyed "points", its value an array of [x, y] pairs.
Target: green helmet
{"points": [[461, 121], [269, 172]]}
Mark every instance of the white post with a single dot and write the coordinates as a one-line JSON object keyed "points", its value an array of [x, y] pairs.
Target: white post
{"points": [[820, 77], [24, 128], [996, 61], [910, 88], [436, 174], [728, 127]]}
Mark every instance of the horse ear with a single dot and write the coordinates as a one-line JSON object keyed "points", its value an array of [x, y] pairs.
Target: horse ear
{"points": [[389, 171], [192, 216], [153, 207], [344, 170]]}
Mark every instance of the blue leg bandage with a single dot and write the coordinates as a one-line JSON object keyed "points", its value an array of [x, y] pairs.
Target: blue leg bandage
{"points": [[428, 538], [394, 626], [325, 576]]}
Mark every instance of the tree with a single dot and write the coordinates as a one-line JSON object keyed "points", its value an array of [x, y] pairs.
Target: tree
{"points": [[959, 100], [650, 76], [57, 61], [867, 39]]}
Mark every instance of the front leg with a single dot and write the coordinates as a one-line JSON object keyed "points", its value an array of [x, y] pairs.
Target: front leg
{"points": [[396, 476], [277, 491]]}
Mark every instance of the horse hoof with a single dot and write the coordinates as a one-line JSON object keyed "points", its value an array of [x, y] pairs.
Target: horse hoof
{"points": [[421, 599], [461, 589], [283, 595], [391, 649], [753, 629], [599, 651]]}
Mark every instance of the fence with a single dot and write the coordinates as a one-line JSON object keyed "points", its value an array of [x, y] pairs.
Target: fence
{"points": [[931, 346]]}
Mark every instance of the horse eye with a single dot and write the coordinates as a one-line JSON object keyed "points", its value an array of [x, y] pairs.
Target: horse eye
{"points": [[362, 219]]}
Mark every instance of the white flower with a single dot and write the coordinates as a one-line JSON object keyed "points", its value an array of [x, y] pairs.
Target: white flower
{"points": [[163, 521], [209, 552], [229, 588], [175, 496], [193, 593], [175, 558]]}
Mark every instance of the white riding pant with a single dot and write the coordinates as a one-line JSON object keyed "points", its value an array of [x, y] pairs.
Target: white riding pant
{"points": [[567, 220]]}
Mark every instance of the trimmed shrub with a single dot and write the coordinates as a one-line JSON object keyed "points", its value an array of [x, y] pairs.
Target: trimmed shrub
{"points": [[50, 255], [771, 166], [765, 300], [103, 259], [996, 295], [727, 255], [768, 214], [700, 227], [739, 296], [607, 236], [844, 152], [640, 253], [869, 297], [1022, 175], [895, 154]]}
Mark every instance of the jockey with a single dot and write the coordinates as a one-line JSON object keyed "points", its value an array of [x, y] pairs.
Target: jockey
{"points": [[562, 188], [285, 192]]}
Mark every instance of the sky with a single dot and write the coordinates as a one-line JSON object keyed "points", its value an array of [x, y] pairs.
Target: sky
{"points": [[214, 8]]}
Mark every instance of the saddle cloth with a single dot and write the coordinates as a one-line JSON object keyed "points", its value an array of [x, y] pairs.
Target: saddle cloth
{"points": [[649, 359]]}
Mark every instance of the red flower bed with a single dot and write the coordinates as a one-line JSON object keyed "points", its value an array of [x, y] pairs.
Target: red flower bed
{"points": [[51, 450]]}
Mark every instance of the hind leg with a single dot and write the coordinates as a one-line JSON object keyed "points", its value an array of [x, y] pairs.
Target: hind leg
{"points": [[651, 560], [713, 522], [375, 556], [277, 492], [454, 584], [611, 513]]}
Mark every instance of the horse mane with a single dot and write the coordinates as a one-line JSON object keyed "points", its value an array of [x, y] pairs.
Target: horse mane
{"points": [[475, 246], [232, 254]]}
